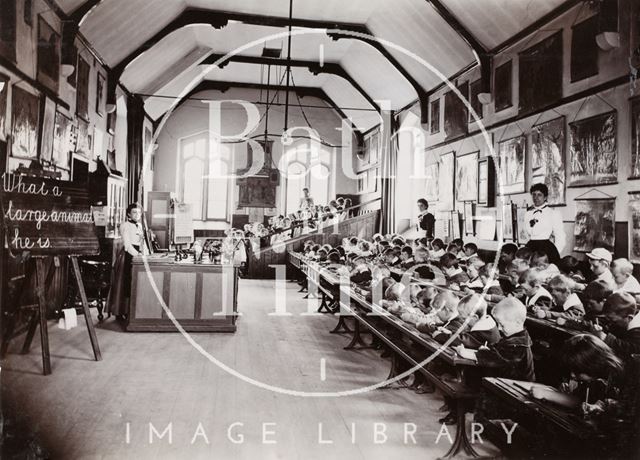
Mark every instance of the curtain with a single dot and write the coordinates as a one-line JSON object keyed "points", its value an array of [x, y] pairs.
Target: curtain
{"points": [[388, 180], [135, 121]]}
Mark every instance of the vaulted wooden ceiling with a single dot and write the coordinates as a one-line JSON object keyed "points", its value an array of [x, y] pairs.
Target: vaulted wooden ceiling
{"points": [[154, 46]]}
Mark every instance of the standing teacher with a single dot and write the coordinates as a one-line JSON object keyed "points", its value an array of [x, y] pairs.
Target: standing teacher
{"points": [[544, 225], [426, 221]]}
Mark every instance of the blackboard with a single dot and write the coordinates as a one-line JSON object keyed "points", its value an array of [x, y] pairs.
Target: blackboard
{"points": [[46, 217]]}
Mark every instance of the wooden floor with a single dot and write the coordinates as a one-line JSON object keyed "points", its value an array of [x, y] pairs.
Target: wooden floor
{"points": [[84, 408]]}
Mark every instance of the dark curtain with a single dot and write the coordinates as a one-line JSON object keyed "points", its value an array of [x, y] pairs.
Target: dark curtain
{"points": [[135, 121], [388, 181]]}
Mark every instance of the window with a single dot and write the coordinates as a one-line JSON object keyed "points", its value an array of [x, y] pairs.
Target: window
{"points": [[502, 85], [307, 166], [584, 49], [202, 177]]}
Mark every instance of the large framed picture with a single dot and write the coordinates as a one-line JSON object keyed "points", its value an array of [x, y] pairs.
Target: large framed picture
{"points": [[548, 158], [595, 224], [101, 95], [512, 155], [62, 142], [456, 117], [593, 152], [25, 117], [540, 74], [634, 227], [46, 133], [635, 138], [48, 55], [82, 90], [4, 80], [446, 177], [467, 177], [431, 189]]}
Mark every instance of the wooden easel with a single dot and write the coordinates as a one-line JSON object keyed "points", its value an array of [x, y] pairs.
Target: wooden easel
{"points": [[37, 268]]}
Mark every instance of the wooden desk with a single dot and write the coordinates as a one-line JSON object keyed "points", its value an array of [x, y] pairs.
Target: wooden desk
{"points": [[201, 297], [558, 431]]}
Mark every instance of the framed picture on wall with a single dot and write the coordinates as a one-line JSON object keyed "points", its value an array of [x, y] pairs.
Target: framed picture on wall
{"points": [[594, 225], [434, 116], [446, 178], [635, 138], [101, 95], [593, 151], [540, 74], [83, 146], [431, 182], [62, 142], [25, 115], [508, 232], [503, 87], [48, 55], [4, 80], [468, 218], [46, 133], [456, 118], [82, 90], [521, 225], [548, 158], [634, 227], [467, 177], [475, 88], [512, 155]]}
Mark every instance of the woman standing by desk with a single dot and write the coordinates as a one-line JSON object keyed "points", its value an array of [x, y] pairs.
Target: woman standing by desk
{"points": [[133, 244]]}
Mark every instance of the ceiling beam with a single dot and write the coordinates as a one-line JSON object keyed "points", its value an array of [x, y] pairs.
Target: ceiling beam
{"points": [[302, 91], [219, 19], [178, 68], [482, 53], [80, 12], [313, 67]]}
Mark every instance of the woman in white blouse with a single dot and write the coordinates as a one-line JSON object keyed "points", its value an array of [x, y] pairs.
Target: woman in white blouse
{"points": [[133, 244]]}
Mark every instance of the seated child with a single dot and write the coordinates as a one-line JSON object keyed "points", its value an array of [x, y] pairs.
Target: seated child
{"points": [[566, 304], [524, 253], [470, 250], [507, 254], [594, 296], [459, 243], [451, 321], [540, 260], [622, 271], [511, 285], [494, 292], [361, 273], [406, 257], [511, 357], [622, 322], [474, 264], [393, 301], [421, 256], [422, 307], [594, 372], [534, 294], [438, 249], [455, 275], [482, 328], [321, 255], [379, 289], [365, 249], [392, 257], [443, 300], [571, 267], [453, 249]]}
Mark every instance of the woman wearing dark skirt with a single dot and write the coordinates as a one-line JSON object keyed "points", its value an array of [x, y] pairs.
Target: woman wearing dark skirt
{"points": [[426, 221], [133, 244], [544, 225]]}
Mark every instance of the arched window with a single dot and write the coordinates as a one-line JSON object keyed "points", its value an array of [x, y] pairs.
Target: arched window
{"points": [[202, 177], [307, 166], [295, 183]]}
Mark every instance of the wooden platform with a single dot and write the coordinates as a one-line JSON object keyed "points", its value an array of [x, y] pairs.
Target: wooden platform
{"points": [[82, 410]]}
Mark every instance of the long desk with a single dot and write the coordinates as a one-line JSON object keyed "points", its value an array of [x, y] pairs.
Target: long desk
{"points": [[202, 297], [556, 431]]}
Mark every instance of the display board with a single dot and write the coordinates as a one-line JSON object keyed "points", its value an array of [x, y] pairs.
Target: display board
{"points": [[47, 217], [182, 224]]}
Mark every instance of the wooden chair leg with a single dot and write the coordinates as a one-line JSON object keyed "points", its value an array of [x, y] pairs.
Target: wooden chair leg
{"points": [[42, 313], [31, 331], [85, 307]]}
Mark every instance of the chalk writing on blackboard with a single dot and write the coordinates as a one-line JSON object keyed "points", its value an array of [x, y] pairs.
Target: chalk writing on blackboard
{"points": [[47, 217]]}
